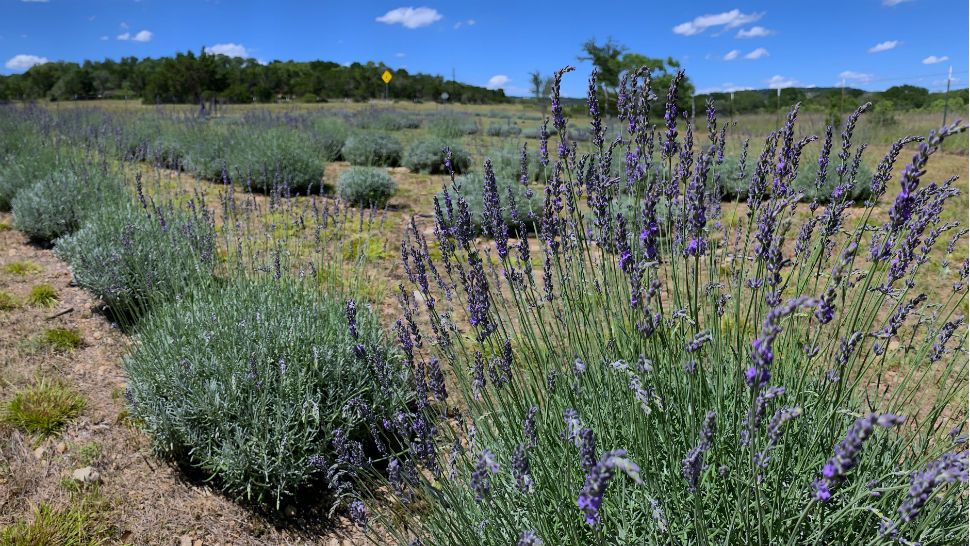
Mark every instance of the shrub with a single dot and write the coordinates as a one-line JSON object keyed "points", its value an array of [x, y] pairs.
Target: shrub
{"points": [[528, 204], [736, 188], [132, 258], [59, 205], [256, 385], [43, 295], [62, 339], [274, 157], [508, 129], [427, 156], [365, 186], [384, 120], [705, 388], [329, 135], [452, 126], [507, 163], [43, 409], [21, 171], [373, 150]]}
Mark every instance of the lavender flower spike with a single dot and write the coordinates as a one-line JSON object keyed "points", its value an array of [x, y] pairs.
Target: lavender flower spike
{"points": [[947, 469], [481, 479], [591, 497], [847, 452], [761, 353], [694, 461]]}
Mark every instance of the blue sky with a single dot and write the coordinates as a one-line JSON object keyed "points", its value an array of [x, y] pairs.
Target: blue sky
{"points": [[871, 44]]}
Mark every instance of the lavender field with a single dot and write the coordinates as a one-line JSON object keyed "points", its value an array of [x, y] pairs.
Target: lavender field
{"points": [[637, 318]]}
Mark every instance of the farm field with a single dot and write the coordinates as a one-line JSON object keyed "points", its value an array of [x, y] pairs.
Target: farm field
{"points": [[432, 324]]}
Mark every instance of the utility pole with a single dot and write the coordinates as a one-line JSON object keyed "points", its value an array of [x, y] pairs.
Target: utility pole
{"points": [[732, 104], [946, 97], [778, 107]]}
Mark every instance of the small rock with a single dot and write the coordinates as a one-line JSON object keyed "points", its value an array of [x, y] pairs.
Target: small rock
{"points": [[61, 447], [86, 313], [86, 474], [40, 452], [98, 335], [185, 540]]}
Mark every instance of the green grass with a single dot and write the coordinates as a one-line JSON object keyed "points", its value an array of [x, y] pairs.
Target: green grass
{"points": [[62, 339], [43, 409], [21, 268], [88, 453], [80, 524], [42, 295], [8, 301]]}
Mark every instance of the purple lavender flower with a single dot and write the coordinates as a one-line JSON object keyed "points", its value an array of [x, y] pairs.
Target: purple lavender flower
{"points": [[949, 468], [775, 428], [478, 376], [436, 380], [358, 513], [529, 538], [529, 427], [826, 308], [698, 341], [670, 116], [695, 209], [591, 497], [902, 208], [847, 452], [587, 449], [521, 470], [693, 463], [946, 332], [481, 480], [762, 353]]}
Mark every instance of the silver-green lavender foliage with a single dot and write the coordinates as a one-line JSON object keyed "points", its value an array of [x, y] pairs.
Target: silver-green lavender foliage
{"points": [[427, 155], [133, 256], [366, 186], [373, 150], [763, 383], [263, 386], [59, 203]]}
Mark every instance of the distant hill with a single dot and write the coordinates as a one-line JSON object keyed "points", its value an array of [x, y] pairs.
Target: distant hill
{"points": [[191, 78]]}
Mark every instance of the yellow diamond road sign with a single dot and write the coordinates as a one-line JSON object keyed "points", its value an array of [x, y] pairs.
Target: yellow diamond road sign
{"points": [[386, 76]]}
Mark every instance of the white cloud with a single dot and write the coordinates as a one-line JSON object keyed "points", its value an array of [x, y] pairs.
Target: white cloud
{"points": [[410, 17], [860, 77], [728, 19], [23, 62], [757, 54], [754, 32], [498, 80], [731, 55], [884, 46], [140, 36], [35, 1], [459, 24], [781, 82], [400, 55], [892, 3], [229, 50], [104, 38], [933, 59]]}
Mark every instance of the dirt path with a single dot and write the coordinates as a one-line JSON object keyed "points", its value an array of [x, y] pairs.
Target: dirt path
{"points": [[138, 499]]}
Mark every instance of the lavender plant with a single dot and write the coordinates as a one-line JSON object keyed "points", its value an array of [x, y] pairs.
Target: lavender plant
{"points": [[267, 386], [755, 383]]}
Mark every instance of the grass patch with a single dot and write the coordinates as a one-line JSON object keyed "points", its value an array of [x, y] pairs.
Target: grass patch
{"points": [[88, 453], [21, 268], [43, 409], [43, 295], [80, 524], [8, 301], [5, 227], [62, 339]]}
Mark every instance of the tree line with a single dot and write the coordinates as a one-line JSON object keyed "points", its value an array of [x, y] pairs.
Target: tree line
{"points": [[190, 78]]}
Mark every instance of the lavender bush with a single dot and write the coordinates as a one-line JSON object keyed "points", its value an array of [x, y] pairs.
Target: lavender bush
{"points": [[764, 373], [271, 387]]}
